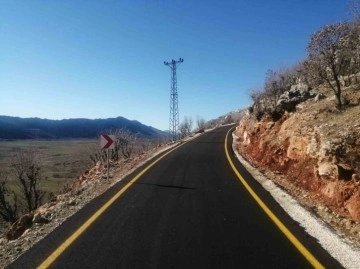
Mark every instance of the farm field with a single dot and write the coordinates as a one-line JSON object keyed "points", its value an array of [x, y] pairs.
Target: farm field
{"points": [[60, 160]]}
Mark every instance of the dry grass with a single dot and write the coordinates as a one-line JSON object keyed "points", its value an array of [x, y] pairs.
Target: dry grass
{"points": [[324, 114], [60, 160]]}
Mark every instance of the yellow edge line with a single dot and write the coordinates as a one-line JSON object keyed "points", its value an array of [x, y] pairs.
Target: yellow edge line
{"points": [[79, 231], [302, 249]]}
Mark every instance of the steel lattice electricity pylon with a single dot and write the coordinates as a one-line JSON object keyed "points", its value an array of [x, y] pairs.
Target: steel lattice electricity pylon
{"points": [[174, 109]]}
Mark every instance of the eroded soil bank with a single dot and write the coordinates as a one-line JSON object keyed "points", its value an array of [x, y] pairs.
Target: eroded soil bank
{"points": [[313, 153]]}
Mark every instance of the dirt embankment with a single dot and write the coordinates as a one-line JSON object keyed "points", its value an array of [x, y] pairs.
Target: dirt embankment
{"points": [[313, 153]]}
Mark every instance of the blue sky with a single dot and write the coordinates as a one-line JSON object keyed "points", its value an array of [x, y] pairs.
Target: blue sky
{"points": [[100, 59]]}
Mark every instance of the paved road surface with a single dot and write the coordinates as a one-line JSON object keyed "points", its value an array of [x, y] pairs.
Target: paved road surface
{"points": [[189, 210]]}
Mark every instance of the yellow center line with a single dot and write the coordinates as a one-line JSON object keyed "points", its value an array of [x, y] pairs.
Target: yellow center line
{"points": [[301, 248], [46, 263]]}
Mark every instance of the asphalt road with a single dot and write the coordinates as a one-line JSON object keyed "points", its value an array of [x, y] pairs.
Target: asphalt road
{"points": [[189, 210]]}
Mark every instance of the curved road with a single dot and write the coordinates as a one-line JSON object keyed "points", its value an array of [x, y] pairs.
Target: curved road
{"points": [[189, 210]]}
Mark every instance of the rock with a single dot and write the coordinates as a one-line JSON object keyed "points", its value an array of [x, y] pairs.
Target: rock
{"points": [[297, 148], [36, 218], [350, 139], [20, 226], [48, 215], [348, 224], [82, 177], [79, 191], [353, 206], [98, 165], [299, 106], [288, 100], [327, 170], [270, 124], [2, 241], [72, 202], [246, 138], [313, 146], [319, 97], [338, 192], [39, 219]]}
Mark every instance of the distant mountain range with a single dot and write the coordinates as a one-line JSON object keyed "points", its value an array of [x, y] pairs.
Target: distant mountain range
{"points": [[36, 128]]}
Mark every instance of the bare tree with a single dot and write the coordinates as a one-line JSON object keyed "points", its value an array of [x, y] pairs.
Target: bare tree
{"points": [[329, 55], [255, 94], [308, 75], [8, 201], [185, 127], [353, 47], [146, 145], [201, 123], [272, 88], [125, 141], [98, 155], [189, 125], [182, 130], [26, 168]]}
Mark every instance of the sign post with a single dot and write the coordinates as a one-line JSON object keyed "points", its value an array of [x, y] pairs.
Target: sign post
{"points": [[107, 142], [108, 164]]}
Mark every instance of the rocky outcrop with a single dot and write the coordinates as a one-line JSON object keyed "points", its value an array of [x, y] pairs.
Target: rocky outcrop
{"points": [[24, 223], [297, 94], [316, 149]]}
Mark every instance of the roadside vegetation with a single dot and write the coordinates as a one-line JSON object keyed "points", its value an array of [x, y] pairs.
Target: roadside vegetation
{"points": [[33, 172], [303, 128], [333, 61]]}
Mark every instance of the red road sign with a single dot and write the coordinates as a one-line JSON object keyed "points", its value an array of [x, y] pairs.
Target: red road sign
{"points": [[107, 141]]}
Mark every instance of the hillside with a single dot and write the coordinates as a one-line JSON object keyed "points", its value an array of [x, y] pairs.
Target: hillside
{"points": [[313, 153], [35, 128], [230, 117]]}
